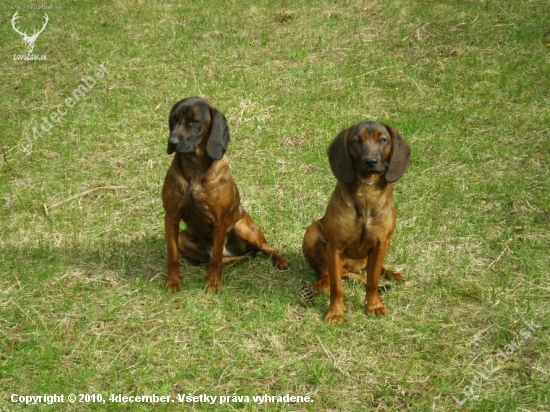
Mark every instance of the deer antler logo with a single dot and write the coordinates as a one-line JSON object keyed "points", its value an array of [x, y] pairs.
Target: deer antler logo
{"points": [[29, 40]]}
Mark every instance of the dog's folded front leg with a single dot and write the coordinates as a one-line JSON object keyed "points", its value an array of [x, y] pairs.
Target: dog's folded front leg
{"points": [[214, 271], [374, 270], [171, 227]]}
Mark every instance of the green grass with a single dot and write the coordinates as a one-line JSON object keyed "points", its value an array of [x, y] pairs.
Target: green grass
{"points": [[82, 308]]}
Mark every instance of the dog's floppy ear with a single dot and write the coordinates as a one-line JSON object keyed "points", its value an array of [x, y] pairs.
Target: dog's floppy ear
{"points": [[400, 156], [219, 135], [338, 158], [172, 120], [172, 141]]}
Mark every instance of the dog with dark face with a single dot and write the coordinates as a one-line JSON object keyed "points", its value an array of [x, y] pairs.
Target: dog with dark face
{"points": [[199, 190], [355, 231]]}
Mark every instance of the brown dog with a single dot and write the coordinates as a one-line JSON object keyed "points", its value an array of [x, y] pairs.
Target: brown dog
{"points": [[199, 190], [360, 217]]}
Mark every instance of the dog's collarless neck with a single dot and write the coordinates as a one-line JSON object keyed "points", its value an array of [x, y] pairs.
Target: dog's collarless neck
{"points": [[370, 182], [191, 165]]}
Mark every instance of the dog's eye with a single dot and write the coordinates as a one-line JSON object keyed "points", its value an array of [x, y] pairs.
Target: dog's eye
{"points": [[356, 140], [383, 140]]}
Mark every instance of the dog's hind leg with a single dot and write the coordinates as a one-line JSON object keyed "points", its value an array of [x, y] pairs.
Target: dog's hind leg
{"points": [[314, 249], [189, 249], [250, 232]]}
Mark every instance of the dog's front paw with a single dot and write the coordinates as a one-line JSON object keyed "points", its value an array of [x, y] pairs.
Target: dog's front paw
{"points": [[172, 283], [212, 286], [335, 314], [376, 307]]}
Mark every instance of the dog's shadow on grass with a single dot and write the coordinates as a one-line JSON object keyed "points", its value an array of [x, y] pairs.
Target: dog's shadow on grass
{"points": [[145, 259]]}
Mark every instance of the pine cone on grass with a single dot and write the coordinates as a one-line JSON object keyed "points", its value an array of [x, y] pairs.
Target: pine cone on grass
{"points": [[306, 295]]}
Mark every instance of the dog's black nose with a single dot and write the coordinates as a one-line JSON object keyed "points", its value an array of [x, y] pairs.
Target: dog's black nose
{"points": [[172, 144], [173, 141], [371, 161]]}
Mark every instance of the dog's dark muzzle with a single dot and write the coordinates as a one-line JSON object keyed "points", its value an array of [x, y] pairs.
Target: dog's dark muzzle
{"points": [[370, 165], [175, 145]]}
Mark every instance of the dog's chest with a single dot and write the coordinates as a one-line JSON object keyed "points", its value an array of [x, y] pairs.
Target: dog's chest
{"points": [[196, 200], [371, 226], [362, 236], [197, 192]]}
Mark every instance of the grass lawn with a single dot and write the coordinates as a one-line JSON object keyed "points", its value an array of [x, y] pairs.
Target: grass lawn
{"points": [[83, 157]]}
